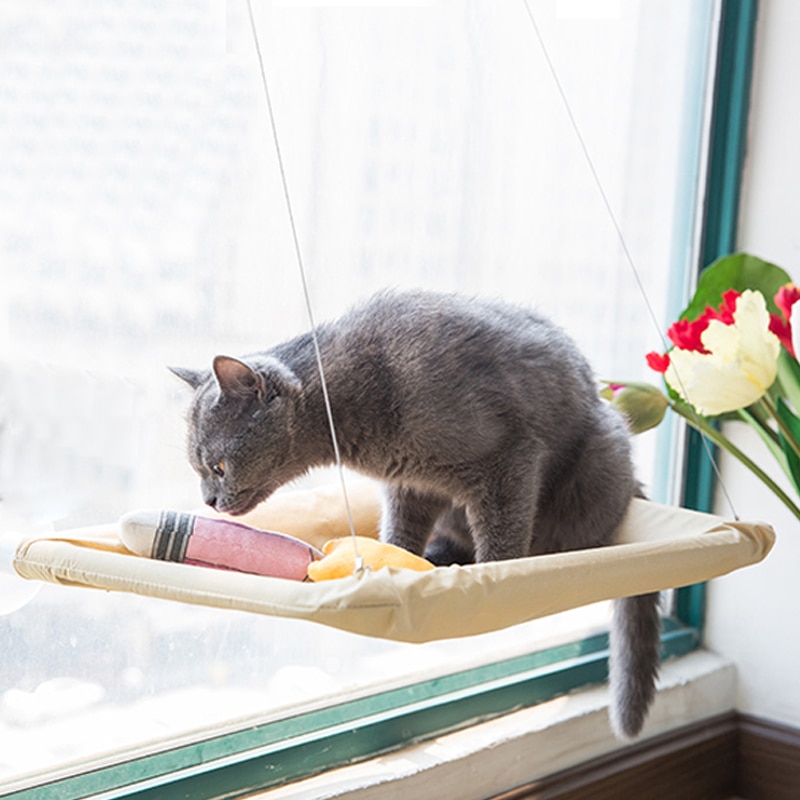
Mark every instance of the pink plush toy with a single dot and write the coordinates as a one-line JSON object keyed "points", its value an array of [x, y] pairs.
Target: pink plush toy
{"points": [[189, 539]]}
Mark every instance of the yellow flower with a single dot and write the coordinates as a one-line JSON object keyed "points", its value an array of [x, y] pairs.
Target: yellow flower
{"points": [[739, 367]]}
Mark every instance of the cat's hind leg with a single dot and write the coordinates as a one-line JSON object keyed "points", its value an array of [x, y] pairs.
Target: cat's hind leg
{"points": [[586, 503], [501, 517], [408, 516]]}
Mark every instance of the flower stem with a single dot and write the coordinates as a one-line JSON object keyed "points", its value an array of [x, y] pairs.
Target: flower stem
{"points": [[759, 420], [702, 425], [782, 426]]}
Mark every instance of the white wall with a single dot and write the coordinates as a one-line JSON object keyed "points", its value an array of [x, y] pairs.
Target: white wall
{"points": [[753, 614]]}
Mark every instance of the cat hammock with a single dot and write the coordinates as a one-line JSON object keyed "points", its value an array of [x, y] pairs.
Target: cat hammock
{"points": [[657, 548]]}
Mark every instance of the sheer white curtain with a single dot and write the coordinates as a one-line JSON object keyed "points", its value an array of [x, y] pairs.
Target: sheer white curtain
{"points": [[142, 224]]}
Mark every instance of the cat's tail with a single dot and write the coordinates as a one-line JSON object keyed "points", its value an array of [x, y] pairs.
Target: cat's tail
{"points": [[633, 665]]}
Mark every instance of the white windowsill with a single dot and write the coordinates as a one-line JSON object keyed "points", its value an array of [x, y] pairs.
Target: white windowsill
{"points": [[504, 753]]}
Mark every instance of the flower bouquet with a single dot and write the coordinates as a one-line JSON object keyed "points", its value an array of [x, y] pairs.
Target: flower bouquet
{"points": [[732, 354]]}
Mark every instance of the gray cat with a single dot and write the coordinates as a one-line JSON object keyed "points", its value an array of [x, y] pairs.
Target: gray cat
{"points": [[482, 420]]}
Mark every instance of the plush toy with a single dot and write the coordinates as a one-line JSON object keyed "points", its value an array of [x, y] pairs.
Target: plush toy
{"points": [[220, 543], [189, 539], [339, 558]]}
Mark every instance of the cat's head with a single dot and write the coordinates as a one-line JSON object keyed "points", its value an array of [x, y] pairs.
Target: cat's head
{"points": [[241, 429]]}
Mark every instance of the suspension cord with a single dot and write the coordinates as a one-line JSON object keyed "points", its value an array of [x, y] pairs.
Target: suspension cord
{"points": [[622, 241], [359, 562]]}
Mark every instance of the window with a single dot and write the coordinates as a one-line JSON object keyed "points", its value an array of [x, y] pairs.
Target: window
{"points": [[143, 225]]}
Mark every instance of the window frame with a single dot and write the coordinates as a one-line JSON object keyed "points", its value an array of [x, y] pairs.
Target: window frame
{"points": [[728, 138], [309, 743], [314, 741]]}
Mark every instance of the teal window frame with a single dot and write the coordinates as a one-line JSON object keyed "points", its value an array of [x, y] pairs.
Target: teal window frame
{"points": [[731, 107], [276, 752]]}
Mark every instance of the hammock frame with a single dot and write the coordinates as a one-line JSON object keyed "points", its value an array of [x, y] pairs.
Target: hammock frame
{"points": [[658, 547]]}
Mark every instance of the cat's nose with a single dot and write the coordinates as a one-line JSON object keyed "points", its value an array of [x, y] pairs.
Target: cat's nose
{"points": [[210, 499], [210, 491]]}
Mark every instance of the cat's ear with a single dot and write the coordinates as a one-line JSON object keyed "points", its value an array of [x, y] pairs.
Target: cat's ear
{"points": [[269, 378], [237, 379], [194, 377]]}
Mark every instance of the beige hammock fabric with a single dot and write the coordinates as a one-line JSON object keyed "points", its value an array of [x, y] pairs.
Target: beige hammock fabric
{"points": [[659, 548]]}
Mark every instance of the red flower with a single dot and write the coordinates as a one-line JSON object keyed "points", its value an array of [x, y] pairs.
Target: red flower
{"points": [[783, 330], [726, 310], [786, 297], [658, 362], [687, 334]]}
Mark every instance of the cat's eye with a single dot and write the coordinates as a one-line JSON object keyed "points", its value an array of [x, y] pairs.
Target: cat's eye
{"points": [[219, 469]]}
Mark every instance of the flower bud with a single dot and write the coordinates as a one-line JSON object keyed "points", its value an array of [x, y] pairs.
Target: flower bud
{"points": [[642, 405]]}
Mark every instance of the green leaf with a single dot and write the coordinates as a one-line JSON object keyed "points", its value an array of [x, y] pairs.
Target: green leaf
{"points": [[769, 436], [793, 424], [739, 271], [789, 378]]}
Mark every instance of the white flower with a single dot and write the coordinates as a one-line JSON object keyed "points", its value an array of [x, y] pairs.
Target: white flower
{"points": [[794, 322], [741, 363]]}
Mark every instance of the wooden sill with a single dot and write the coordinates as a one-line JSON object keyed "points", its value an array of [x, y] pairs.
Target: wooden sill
{"points": [[732, 754]]}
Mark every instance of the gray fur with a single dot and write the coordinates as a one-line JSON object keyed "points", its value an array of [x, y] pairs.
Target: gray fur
{"points": [[482, 420]]}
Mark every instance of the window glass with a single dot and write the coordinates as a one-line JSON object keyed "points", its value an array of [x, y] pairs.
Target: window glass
{"points": [[143, 224]]}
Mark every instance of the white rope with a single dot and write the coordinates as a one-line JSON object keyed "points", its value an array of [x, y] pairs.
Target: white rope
{"points": [[299, 256], [621, 238]]}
